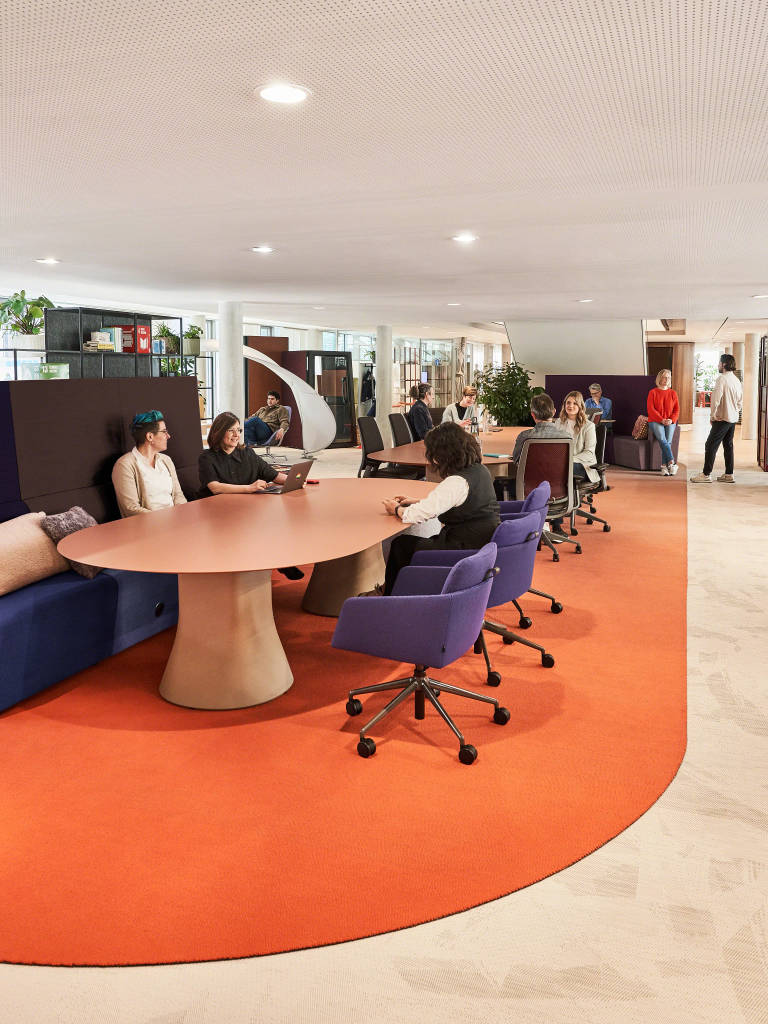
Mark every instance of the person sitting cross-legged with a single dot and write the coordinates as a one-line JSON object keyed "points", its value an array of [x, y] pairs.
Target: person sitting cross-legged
{"points": [[272, 418]]}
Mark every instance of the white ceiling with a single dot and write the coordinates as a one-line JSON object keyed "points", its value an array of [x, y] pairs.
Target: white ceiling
{"points": [[610, 150]]}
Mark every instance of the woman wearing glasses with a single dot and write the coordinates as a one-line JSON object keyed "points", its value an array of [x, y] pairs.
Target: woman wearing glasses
{"points": [[145, 478]]}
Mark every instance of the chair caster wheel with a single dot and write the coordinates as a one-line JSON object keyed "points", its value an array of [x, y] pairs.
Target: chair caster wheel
{"points": [[494, 679], [508, 639], [525, 622], [547, 661], [501, 716], [578, 549], [606, 528], [590, 521], [366, 747], [467, 753], [555, 557], [354, 707], [575, 533], [555, 607]]}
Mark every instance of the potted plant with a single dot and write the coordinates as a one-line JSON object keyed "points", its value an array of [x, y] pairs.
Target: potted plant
{"points": [[506, 394], [705, 377], [22, 317], [192, 336], [170, 341]]}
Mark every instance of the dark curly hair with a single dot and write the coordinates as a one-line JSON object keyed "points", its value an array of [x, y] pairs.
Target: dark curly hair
{"points": [[449, 448], [219, 427]]}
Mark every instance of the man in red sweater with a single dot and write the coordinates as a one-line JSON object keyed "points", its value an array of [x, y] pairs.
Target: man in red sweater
{"points": [[663, 414]]}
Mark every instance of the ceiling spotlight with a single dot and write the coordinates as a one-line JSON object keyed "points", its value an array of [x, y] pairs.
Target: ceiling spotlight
{"points": [[760, 296], [283, 92], [585, 300], [318, 307], [262, 248], [453, 303], [49, 260], [465, 238]]}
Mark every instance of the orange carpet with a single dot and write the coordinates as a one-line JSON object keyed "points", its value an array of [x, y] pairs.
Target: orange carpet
{"points": [[136, 832]]}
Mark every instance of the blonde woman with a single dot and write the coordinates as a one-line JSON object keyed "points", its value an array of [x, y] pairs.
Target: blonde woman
{"points": [[463, 410], [663, 414], [574, 420]]}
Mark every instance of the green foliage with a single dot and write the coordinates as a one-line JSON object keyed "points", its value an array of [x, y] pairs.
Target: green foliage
{"points": [[705, 375], [23, 315], [506, 393], [193, 332], [172, 341]]}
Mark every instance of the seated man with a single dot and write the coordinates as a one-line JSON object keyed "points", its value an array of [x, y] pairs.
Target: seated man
{"points": [[145, 479], [542, 413], [597, 401], [271, 418]]}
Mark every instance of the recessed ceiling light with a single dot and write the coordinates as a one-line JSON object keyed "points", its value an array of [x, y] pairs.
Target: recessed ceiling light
{"points": [[318, 307], [585, 300], [760, 296], [262, 248], [283, 92], [453, 303], [465, 237], [48, 259]]}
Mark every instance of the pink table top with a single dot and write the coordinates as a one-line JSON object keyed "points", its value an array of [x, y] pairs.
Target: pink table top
{"points": [[239, 532]]}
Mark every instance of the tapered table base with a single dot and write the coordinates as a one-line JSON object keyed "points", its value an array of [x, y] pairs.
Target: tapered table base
{"points": [[227, 653], [332, 582]]}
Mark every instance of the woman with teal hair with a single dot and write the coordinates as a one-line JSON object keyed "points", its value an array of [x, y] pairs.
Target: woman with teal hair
{"points": [[145, 478]]}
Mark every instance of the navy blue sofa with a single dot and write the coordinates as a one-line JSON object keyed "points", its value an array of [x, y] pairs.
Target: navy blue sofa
{"points": [[60, 625]]}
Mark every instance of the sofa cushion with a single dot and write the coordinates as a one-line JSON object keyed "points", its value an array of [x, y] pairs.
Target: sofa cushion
{"points": [[62, 525], [26, 553]]}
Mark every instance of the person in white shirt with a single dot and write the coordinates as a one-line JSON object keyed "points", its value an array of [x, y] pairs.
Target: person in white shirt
{"points": [[724, 409], [145, 478], [464, 501]]}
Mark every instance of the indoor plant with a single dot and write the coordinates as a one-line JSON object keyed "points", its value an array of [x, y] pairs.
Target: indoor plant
{"points": [[192, 336], [171, 343], [506, 394], [23, 316]]}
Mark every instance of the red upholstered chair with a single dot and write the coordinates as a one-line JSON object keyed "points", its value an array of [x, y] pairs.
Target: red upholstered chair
{"points": [[550, 459]]}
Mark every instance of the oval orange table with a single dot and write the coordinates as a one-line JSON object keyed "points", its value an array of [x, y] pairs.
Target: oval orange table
{"points": [[500, 442], [227, 653]]}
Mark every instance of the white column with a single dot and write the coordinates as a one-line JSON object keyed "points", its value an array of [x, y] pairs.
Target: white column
{"points": [[738, 355], [314, 337], [749, 413], [384, 381], [728, 349], [231, 378]]}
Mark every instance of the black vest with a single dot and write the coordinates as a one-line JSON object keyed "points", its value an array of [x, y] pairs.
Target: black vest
{"points": [[472, 524]]}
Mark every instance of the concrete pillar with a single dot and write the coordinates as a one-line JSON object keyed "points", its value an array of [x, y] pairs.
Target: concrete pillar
{"points": [[738, 355], [231, 378], [728, 350], [749, 413], [384, 381]]}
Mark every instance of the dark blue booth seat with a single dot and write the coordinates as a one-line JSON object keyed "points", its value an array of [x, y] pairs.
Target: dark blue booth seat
{"points": [[65, 623]]}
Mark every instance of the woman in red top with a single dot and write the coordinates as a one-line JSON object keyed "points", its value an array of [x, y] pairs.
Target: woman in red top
{"points": [[663, 413]]}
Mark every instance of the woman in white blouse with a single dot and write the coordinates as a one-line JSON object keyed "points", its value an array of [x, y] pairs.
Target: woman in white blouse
{"points": [[464, 501], [145, 478]]}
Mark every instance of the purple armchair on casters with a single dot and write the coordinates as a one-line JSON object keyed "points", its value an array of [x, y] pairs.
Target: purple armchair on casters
{"points": [[433, 617], [536, 501], [516, 541]]}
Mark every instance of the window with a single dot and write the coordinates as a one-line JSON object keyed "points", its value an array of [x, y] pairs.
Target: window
{"points": [[266, 331]]}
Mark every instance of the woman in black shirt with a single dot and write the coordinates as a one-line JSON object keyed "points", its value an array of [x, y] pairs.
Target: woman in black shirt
{"points": [[228, 467], [419, 416]]}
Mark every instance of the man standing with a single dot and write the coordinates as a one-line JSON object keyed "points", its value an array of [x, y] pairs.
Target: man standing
{"points": [[270, 419], [724, 408]]}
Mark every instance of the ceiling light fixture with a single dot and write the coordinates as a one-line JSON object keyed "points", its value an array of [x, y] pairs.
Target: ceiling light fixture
{"points": [[760, 296], [262, 248], [48, 260], [453, 303], [465, 238], [585, 300], [318, 307], [283, 92]]}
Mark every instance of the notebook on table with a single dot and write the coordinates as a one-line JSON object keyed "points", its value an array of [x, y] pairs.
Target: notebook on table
{"points": [[296, 476]]}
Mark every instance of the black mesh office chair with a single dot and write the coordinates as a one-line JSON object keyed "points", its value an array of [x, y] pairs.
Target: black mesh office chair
{"points": [[371, 441], [587, 489], [401, 432]]}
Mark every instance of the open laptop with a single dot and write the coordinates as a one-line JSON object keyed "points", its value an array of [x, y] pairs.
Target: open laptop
{"points": [[296, 476]]}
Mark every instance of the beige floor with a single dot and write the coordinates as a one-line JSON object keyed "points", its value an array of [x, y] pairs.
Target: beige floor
{"points": [[665, 924]]}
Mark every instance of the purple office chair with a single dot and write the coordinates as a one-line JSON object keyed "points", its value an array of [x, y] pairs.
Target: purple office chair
{"points": [[516, 541], [537, 501], [432, 618]]}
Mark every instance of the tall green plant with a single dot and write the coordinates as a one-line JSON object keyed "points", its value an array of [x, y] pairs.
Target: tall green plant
{"points": [[23, 315], [506, 393]]}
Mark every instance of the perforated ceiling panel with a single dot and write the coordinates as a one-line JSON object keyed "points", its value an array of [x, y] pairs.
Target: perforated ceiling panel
{"points": [[615, 150]]}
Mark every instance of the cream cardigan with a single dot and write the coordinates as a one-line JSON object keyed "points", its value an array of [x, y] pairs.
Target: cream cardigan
{"points": [[129, 486], [584, 445]]}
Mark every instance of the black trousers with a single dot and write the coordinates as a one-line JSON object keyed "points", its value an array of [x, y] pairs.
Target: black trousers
{"points": [[406, 545], [720, 433]]}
